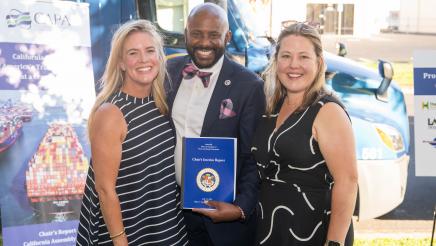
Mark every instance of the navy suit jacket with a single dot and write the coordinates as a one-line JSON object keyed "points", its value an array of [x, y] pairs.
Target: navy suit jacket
{"points": [[245, 89]]}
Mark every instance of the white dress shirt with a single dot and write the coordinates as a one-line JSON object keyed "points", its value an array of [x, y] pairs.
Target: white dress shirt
{"points": [[189, 109]]}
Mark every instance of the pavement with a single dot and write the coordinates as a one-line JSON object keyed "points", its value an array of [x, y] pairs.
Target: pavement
{"points": [[414, 217], [381, 228]]}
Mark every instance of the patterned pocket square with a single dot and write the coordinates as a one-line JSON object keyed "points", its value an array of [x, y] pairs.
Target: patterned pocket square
{"points": [[226, 109]]}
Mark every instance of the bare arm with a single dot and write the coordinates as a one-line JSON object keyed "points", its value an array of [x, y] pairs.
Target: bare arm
{"points": [[333, 131], [107, 135]]}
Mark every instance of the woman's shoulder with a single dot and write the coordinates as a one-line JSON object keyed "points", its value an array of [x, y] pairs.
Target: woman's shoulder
{"points": [[318, 104], [108, 113], [330, 97], [108, 120], [331, 111], [328, 102]]}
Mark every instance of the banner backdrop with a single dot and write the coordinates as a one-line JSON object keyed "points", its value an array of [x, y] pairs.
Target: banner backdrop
{"points": [[424, 62], [46, 92]]}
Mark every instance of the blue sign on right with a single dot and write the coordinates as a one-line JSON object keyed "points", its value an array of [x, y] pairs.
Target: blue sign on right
{"points": [[425, 80], [424, 62]]}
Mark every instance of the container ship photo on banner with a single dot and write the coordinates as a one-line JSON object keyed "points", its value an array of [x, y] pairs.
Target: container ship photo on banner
{"points": [[12, 117], [10, 130], [56, 174]]}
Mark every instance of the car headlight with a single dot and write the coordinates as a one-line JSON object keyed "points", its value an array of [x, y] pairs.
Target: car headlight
{"points": [[390, 136]]}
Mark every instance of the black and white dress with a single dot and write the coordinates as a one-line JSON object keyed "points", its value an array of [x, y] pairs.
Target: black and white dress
{"points": [[296, 185], [146, 184]]}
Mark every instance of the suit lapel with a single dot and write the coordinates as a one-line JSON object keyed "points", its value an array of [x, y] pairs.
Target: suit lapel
{"points": [[176, 79], [220, 92]]}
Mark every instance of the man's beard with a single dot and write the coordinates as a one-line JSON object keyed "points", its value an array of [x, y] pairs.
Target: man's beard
{"points": [[218, 52]]}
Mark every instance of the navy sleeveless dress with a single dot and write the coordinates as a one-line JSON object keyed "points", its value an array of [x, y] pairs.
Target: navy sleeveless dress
{"points": [[295, 193], [146, 184]]}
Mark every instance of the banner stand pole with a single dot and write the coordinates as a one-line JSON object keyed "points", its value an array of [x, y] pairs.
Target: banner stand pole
{"points": [[434, 222]]}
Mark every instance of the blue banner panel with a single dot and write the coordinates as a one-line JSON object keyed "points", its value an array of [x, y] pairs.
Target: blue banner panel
{"points": [[19, 69], [425, 81]]}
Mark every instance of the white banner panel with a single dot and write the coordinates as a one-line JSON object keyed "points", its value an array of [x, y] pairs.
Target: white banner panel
{"points": [[45, 22], [424, 62]]}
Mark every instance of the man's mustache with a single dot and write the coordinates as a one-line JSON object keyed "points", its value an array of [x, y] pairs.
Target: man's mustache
{"points": [[204, 48]]}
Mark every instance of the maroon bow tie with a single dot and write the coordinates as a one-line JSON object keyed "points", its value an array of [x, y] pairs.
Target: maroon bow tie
{"points": [[189, 71]]}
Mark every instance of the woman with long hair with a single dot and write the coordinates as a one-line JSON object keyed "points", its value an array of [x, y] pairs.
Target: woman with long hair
{"points": [[304, 147], [130, 195]]}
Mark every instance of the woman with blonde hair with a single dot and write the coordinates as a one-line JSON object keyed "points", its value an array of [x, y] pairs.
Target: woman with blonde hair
{"points": [[304, 147], [130, 195]]}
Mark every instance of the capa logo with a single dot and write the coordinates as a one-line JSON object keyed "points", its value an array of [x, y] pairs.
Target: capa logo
{"points": [[51, 19], [24, 19], [18, 18]]}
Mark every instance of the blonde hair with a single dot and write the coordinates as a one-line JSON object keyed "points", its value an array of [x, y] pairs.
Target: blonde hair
{"points": [[112, 79], [275, 92]]}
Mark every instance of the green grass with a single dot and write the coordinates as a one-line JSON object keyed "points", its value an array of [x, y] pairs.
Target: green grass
{"points": [[403, 71], [378, 242], [393, 242]]}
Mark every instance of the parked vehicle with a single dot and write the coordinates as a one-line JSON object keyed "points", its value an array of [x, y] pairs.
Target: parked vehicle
{"points": [[375, 103]]}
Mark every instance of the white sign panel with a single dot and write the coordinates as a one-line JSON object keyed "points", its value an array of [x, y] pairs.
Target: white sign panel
{"points": [[424, 63], [45, 22]]}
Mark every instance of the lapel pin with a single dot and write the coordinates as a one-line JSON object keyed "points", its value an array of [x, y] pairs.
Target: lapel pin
{"points": [[227, 82]]}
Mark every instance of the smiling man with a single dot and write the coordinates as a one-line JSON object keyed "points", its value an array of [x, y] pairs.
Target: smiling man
{"points": [[212, 96], [206, 37]]}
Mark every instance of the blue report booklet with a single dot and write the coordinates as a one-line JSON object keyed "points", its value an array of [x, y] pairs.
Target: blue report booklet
{"points": [[208, 171]]}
